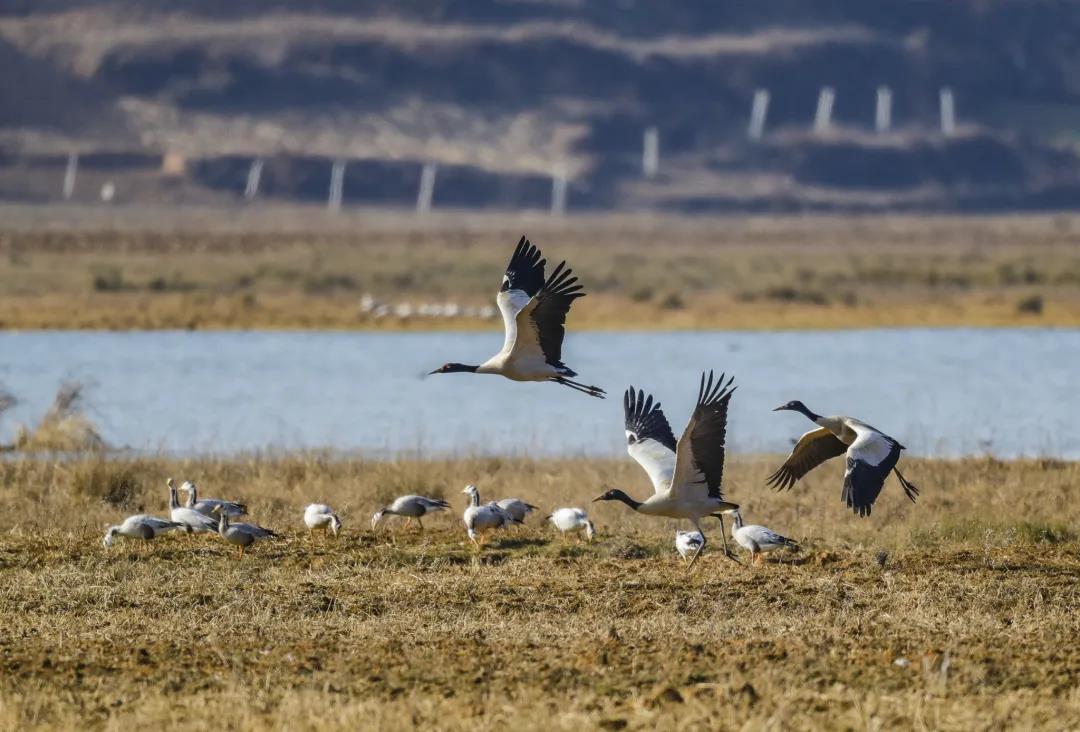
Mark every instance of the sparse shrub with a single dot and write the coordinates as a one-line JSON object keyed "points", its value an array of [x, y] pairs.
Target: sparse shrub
{"points": [[110, 280], [642, 294], [672, 301], [1030, 305], [176, 283], [64, 427], [790, 294], [114, 483], [321, 284]]}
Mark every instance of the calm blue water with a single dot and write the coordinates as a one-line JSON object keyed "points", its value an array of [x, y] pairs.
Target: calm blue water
{"points": [[940, 392]]}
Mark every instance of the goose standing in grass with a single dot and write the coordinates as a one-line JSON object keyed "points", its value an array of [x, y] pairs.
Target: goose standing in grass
{"points": [[572, 519], [411, 507], [517, 508], [689, 543], [241, 535], [534, 319], [481, 519], [206, 505], [687, 474], [758, 540], [871, 456], [140, 526], [195, 522], [320, 517]]}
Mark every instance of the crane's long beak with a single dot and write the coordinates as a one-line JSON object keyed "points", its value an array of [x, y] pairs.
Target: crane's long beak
{"points": [[598, 498], [780, 408]]}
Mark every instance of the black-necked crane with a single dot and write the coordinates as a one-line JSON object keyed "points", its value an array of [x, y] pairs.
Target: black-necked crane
{"points": [[534, 318], [687, 474], [758, 540], [871, 456]]}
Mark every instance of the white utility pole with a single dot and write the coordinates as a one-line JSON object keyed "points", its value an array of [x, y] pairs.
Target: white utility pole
{"points": [[650, 152], [426, 194], [823, 115], [251, 190], [758, 110]]}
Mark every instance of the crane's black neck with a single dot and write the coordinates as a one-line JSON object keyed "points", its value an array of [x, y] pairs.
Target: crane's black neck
{"points": [[617, 495], [812, 416]]}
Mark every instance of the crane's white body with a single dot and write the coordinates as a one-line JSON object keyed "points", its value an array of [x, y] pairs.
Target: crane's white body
{"points": [[520, 358], [207, 506], [320, 517], [482, 519], [140, 526], [572, 519], [689, 543]]}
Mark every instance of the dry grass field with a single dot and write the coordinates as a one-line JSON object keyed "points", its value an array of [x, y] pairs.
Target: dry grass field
{"points": [[302, 268], [960, 612]]}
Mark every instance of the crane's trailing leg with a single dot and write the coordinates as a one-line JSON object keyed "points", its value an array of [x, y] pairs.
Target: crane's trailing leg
{"points": [[909, 488], [595, 391], [700, 549]]}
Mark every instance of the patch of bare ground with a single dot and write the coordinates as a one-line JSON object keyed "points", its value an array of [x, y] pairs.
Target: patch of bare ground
{"points": [[955, 613]]}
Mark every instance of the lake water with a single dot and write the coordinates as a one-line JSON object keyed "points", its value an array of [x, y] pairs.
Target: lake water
{"points": [[940, 392]]}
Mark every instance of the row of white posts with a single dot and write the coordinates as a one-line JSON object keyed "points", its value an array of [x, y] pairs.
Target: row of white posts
{"points": [[650, 150]]}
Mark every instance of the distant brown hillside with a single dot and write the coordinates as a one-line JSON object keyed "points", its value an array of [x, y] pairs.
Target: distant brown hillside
{"points": [[499, 94]]}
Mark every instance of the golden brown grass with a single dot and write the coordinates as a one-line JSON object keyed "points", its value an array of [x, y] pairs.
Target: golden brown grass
{"points": [[298, 268], [977, 594]]}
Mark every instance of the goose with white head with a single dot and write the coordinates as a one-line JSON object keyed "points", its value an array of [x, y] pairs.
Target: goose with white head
{"points": [[140, 526], [758, 540], [206, 506], [871, 456], [479, 520], [534, 313], [573, 519], [410, 507], [686, 474], [193, 521], [241, 536]]}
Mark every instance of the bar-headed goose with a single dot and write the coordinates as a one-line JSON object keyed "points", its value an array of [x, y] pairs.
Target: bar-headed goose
{"points": [[758, 540], [241, 535], [517, 508], [195, 522], [481, 519], [689, 543], [534, 319], [871, 456], [687, 474], [411, 507], [320, 517], [140, 526], [572, 519], [206, 506]]}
